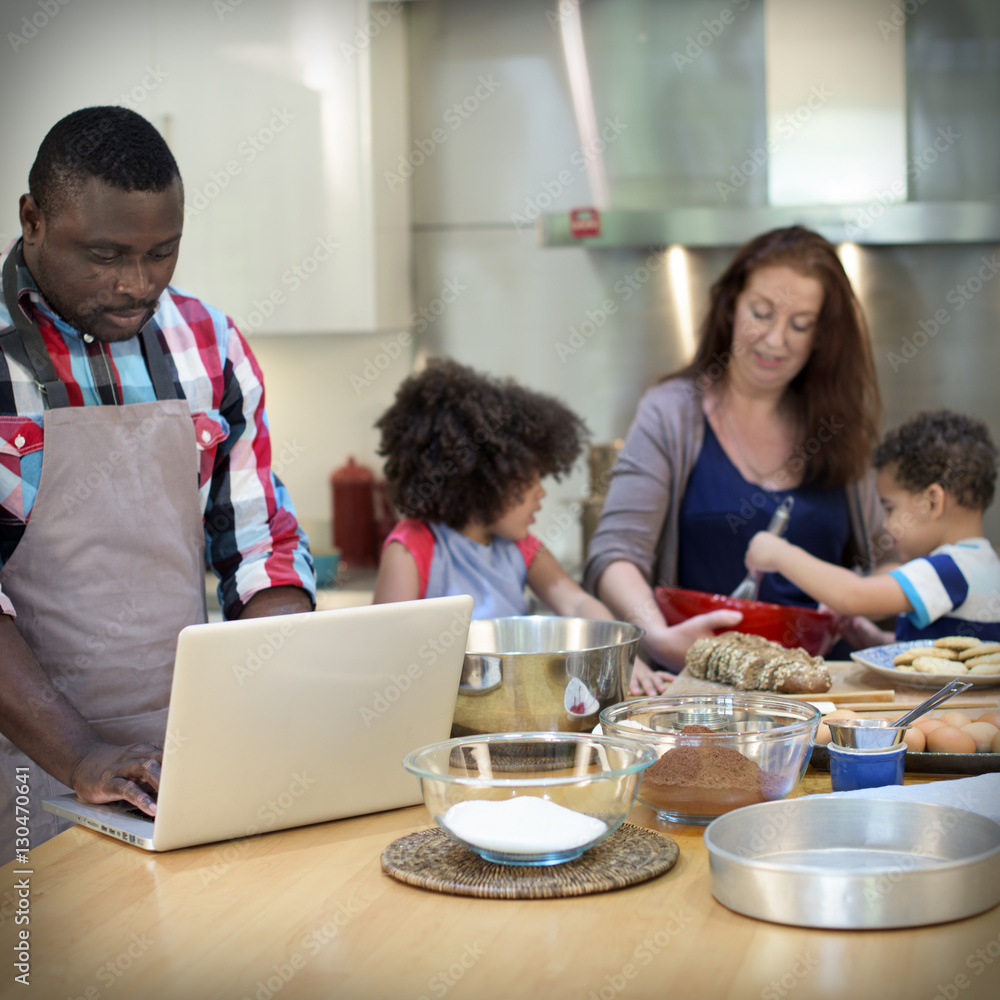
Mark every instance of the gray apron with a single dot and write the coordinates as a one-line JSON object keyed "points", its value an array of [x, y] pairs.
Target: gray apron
{"points": [[111, 564]]}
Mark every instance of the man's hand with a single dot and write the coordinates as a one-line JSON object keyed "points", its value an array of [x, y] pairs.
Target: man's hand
{"points": [[108, 773]]}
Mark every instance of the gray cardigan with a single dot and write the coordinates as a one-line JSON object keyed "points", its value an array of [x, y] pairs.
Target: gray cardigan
{"points": [[640, 518]]}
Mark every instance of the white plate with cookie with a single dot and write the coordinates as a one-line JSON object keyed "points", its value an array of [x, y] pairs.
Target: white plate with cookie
{"points": [[945, 659]]}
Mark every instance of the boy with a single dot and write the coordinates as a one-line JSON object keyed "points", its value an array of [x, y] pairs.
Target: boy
{"points": [[936, 476]]}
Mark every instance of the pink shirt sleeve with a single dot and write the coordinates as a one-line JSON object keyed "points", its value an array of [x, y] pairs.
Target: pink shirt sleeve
{"points": [[528, 547], [418, 540]]}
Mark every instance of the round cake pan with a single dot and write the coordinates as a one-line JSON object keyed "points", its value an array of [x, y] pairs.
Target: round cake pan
{"points": [[846, 863]]}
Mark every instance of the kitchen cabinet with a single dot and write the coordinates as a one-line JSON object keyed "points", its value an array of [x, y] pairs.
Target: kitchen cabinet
{"points": [[281, 116], [284, 119]]}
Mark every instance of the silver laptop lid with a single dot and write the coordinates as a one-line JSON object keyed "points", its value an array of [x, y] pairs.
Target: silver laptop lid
{"points": [[280, 722]]}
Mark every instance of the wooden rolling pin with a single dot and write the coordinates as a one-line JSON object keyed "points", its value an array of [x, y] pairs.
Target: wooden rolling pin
{"points": [[845, 697]]}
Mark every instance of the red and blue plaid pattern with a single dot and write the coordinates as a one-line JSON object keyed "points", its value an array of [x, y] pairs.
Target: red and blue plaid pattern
{"points": [[252, 537]]}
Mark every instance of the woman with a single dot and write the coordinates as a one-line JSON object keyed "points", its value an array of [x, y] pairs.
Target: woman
{"points": [[781, 399]]}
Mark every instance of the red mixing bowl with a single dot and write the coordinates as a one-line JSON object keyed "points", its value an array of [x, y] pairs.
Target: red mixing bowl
{"points": [[813, 630]]}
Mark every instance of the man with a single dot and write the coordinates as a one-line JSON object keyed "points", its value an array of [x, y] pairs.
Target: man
{"points": [[133, 444]]}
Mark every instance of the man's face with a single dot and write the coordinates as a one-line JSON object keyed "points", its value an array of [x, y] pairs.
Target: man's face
{"points": [[103, 257]]}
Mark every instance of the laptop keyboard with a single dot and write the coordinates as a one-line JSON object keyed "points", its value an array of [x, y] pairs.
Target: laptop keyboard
{"points": [[127, 809]]}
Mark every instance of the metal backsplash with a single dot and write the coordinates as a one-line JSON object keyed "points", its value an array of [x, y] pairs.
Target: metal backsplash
{"points": [[857, 119]]}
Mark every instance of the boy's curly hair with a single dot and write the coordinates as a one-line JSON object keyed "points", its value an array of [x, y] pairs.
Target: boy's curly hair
{"points": [[461, 447], [943, 447]]}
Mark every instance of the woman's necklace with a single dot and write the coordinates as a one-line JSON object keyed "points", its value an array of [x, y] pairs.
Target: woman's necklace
{"points": [[777, 478]]}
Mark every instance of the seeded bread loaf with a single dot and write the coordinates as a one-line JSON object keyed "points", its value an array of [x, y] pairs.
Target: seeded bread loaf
{"points": [[750, 663]]}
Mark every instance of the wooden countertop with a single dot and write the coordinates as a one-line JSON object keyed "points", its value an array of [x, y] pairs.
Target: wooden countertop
{"points": [[309, 914]]}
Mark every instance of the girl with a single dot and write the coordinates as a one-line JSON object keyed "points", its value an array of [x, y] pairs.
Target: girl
{"points": [[465, 456]]}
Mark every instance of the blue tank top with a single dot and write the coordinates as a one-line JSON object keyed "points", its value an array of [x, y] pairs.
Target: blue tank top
{"points": [[721, 512], [495, 574]]}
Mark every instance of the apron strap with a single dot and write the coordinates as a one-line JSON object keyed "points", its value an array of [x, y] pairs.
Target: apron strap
{"points": [[25, 342], [160, 370], [30, 337]]}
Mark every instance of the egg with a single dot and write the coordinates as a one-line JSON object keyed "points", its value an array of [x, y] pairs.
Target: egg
{"points": [[842, 713], [955, 719], [982, 733], [993, 718], [995, 746], [946, 739], [928, 725], [915, 740]]}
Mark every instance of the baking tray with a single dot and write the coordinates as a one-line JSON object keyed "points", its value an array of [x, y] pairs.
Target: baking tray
{"points": [[928, 763], [854, 863]]}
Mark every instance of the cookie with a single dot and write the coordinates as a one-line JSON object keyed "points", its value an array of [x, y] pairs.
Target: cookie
{"points": [[948, 667], [938, 665], [909, 655], [978, 661], [981, 650], [985, 669], [957, 642]]}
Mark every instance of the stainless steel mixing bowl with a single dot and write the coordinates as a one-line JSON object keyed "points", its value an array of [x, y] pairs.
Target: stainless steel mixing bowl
{"points": [[543, 674]]}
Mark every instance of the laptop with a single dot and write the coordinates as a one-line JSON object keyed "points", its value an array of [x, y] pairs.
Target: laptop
{"points": [[281, 722]]}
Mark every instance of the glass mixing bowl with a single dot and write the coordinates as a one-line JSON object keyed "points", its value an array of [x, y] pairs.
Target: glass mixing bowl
{"points": [[745, 748], [530, 798]]}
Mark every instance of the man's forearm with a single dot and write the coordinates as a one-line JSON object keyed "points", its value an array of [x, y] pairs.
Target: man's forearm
{"points": [[277, 601], [34, 715]]}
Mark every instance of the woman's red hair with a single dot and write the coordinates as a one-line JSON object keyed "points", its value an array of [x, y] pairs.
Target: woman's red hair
{"points": [[836, 394]]}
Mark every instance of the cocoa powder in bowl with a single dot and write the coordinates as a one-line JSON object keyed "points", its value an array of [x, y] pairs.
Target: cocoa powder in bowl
{"points": [[702, 780]]}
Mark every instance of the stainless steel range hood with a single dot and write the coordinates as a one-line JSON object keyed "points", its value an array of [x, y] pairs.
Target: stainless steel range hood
{"points": [[827, 145]]}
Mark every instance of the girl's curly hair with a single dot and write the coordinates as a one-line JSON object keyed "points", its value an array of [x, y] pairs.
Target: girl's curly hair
{"points": [[461, 447], [944, 447]]}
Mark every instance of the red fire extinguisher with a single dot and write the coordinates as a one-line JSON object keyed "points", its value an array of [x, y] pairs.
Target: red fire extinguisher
{"points": [[352, 487]]}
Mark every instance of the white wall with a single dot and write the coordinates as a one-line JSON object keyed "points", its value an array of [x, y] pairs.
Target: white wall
{"points": [[323, 396]]}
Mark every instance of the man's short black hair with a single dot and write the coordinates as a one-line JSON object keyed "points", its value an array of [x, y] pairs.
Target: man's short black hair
{"points": [[944, 447], [113, 144]]}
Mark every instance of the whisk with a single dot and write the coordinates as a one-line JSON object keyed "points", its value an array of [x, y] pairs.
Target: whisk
{"points": [[750, 587]]}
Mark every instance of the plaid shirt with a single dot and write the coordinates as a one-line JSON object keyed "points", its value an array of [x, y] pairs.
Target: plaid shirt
{"points": [[252, 538]]}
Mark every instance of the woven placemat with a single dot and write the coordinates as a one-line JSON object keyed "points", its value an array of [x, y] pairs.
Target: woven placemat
{"points": [[430, 859]]}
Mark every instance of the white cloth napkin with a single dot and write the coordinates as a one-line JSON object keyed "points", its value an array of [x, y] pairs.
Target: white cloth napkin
{"points": [[980, 794]]}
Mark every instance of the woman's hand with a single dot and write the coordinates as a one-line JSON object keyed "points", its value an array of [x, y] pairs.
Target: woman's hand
{"points": [[860, 632], [669, 644]]}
